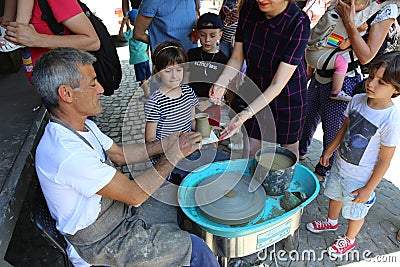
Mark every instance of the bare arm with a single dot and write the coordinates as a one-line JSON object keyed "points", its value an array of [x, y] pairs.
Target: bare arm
{"points": [[231, 69], [365, 51], [121, 28], [24, 11], [281, 78], [122, 155], [125, 7], [385, 156], [142, 23], [84, 36], [150, 131], [135, 192], [10, 10]]}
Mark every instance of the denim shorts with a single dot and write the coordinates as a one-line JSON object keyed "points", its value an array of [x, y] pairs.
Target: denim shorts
{"points": [[339, 188]]}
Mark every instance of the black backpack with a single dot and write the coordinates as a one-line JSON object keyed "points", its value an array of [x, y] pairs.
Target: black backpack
{"points": [[107, 65]]}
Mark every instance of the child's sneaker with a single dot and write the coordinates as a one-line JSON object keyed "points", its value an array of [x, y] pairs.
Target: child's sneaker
{"points": [[341, 246], [340, 96], [319, 226]]}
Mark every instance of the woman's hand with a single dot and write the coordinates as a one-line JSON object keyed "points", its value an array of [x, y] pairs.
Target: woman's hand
{"points": [[346, 12], [234, 125], [216, 94], [21, 34]]}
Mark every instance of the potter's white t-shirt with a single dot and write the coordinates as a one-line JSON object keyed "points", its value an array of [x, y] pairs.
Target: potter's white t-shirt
{"points": [[71, 172]]}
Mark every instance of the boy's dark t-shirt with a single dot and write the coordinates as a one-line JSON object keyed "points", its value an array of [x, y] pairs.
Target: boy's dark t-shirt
{"points": [[202, 71]]}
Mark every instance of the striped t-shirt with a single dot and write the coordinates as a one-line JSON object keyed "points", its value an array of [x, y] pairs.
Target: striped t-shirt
{"points": [[171, 114]]}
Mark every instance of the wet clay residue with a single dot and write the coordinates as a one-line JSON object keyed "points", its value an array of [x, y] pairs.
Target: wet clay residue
{"points": [[291, 200]]}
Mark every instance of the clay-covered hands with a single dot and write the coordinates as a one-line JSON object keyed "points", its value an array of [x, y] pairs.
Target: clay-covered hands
{"points": [[216, 93], [179, 145], [234, 125]]}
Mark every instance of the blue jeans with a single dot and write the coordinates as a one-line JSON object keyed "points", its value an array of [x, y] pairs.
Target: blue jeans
{"points": [[202, 255]]}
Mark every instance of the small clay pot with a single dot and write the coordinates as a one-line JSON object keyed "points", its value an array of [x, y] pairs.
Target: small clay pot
{"points": [[202, 125]]}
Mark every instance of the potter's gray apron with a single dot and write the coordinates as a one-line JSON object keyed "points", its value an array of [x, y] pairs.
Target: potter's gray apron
{"points": [[126, 236]]}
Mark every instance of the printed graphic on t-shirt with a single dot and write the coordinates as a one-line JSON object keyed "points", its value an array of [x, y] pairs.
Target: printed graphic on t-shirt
{"points": [[356, 138]]}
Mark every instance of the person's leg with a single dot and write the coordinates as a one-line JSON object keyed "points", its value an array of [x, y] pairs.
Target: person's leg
{"points": [[340, 65], [334, 209], [313, 117], [141, 76], [202, 256], [145, 88], [332, 117], [354, 228]]}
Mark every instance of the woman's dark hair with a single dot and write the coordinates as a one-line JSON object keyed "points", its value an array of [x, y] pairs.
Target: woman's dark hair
{"points": [[391, 62], [168, 53]]}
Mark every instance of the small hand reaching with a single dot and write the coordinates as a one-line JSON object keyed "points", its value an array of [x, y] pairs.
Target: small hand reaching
{"points": [[324, 159]]}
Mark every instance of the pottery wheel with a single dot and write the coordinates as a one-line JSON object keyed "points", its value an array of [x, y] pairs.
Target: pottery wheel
{"points": [[235, 204]]}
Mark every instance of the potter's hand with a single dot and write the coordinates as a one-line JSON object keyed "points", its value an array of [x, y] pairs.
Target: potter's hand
{"points": [[216, 94], [324, 159], [234, 125], [346, 12], [181, 145]]}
